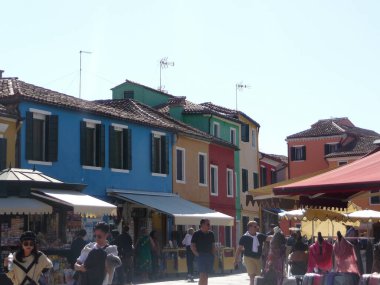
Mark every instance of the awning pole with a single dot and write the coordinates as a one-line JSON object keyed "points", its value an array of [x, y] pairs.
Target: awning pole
{"points": [[312, 231]]}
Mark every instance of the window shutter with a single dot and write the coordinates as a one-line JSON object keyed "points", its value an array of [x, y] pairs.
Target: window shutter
{"points": [[245, 132], [52, 138], [3, 153], [165, 154], [83, 143], [29, 136], [304, 152], [100, 145], [153, 155], [111, 147], [255, 180], [127, 155], [292, 153], [244, 175], [327, 149]]}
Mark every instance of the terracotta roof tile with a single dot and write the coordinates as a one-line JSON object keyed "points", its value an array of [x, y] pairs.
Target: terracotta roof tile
{"points": [[357, 147]]}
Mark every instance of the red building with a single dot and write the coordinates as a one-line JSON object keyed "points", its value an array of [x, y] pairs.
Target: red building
{"points": [[273, 168], [222, 187]]}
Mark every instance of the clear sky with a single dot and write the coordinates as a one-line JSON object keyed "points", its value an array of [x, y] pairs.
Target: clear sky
{"points": [[304, 60]]}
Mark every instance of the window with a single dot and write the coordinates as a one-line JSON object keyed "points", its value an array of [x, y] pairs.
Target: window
{"points": [[41, 136], [202, 160], [216, 129], [340, 163], [298, 153], [180, 155], [233, 136], [273, 177], [228, 236], [230, 183], [92, 142], [255, 180], [244, 179], [375, 200], [129, 94], [214, 180], [245, 132], [331, 147], [253, 138], [160, 154], [3, 153], [120, 147], [263, 174]]}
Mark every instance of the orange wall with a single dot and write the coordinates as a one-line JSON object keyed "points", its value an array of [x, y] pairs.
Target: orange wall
{"points": [[191, 190], [315, 153]]}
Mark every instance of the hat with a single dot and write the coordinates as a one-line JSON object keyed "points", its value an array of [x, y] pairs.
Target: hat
{"points": [[276, 230], [28, 235]]}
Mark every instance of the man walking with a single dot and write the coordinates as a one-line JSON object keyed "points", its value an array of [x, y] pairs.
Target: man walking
{"points": [[251, 245], [125, 249], [203, 246]]}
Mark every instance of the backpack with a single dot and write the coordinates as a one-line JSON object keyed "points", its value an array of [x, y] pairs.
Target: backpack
{"points": [[95, 268]]}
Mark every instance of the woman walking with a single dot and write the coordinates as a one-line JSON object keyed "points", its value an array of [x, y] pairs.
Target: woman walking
{"points": [[28, 263], [143, 255]]}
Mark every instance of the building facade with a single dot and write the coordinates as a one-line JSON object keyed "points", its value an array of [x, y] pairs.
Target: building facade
{"points": [[9, 124]]}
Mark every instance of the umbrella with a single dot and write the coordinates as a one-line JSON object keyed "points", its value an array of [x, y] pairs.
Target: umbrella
{"points": [[364, 216]]}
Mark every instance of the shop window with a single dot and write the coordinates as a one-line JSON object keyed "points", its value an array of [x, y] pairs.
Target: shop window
{"points": [[120, 147], [298, 153], [41, 142], [263, 174], [202, 160], [3, 153], [230, 183], [216, 129], [214, 180], [92, 142], [244, 178], [160, 154], [180, 156], [255, 180]]}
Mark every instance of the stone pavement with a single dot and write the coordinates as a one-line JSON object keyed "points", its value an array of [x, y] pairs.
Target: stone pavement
{"points": [[226, 279]]}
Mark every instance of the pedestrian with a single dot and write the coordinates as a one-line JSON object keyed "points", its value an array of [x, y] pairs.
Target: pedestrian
{"points": [[28, 263], [98, 260], [76, 247], [203, 247], [189, 254], [251, 245], [143, 254], [125, 249], [155, 252]]}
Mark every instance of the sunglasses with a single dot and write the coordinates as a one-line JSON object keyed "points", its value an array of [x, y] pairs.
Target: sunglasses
{"points": [[99, 236], [28, 243]]}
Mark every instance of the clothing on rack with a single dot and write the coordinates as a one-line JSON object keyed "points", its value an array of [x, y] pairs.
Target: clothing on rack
{"points": [[320, 257], [345, 257]]}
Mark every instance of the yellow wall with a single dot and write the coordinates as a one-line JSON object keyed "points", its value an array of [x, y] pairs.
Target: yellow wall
{"points": [[10, 134], [191, 190], [249, 159]]}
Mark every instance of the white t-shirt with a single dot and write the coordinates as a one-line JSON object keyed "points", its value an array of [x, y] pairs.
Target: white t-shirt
{"points": [[110, 249], [187, 240]]}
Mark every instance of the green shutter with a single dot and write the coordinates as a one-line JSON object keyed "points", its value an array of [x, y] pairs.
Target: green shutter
{"points": [[292, 153], [111, 147], [100, 145], [255, 180], [83, 142], [244, 175], [52, 138], [29, 136], [127, 148], [153, 155], [164, 155], [3, 153]]}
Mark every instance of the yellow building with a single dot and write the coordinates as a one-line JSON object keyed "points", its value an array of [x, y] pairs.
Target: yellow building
{"points": [[8, 136]]}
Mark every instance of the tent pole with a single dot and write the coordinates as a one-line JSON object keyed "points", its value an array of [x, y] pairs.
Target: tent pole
{"points": [[312, 231]]}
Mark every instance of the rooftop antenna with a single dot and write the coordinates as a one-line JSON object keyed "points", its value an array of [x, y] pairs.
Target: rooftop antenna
{"points": [[80, 70], [240, 86], [164, 63]]}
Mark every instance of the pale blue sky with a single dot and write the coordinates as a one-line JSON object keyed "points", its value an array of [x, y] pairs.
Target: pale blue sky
{"points": [[304, 60]]}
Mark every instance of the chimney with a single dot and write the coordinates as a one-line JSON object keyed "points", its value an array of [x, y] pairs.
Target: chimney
{"points": [[1, 73], [176, 107]]}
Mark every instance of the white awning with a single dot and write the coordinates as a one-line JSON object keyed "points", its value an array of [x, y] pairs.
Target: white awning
{"points": [[82, 204], [17, 205], [183, 211]]}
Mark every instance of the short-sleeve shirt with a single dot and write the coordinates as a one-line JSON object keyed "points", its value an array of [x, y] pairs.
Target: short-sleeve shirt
{"points": [[203, 241], [246, 242]]}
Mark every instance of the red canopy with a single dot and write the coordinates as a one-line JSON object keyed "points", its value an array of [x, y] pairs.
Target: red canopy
{"points": [[337, 185]]}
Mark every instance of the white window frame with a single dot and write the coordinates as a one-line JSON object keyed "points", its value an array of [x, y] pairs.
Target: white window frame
{"points": [[233, 131], [183, 181], [91, 124], [41, 115], [159, 135], [230, 173], [204, 168], [215, 167], [216, 124]]}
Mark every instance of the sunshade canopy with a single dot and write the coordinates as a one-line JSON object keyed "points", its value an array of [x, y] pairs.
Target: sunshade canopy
{"points": [[183, 211], [364, 216], [313, 215], [81, 203], [17, 205], [334, 188]]}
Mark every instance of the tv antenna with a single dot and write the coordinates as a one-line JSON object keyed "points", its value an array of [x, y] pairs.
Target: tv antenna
{"points": [[80, 70], [164, 63], [240, 86]]}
